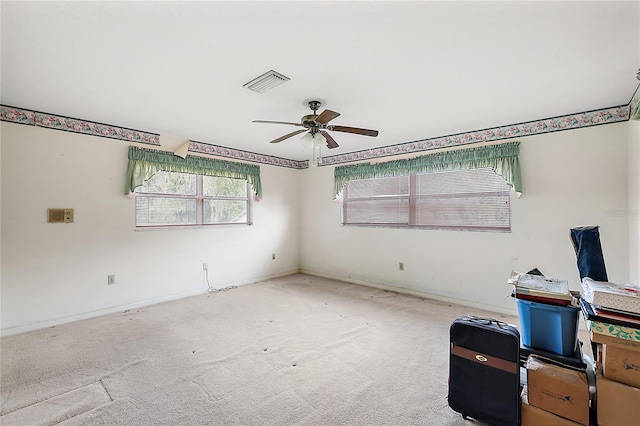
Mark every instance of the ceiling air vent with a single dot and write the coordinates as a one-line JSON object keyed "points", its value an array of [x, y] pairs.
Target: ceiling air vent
{"points": [[266, 81]]}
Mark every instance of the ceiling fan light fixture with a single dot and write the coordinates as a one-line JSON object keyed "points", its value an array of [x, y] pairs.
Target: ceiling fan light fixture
{"points": [[266, 81], [316, 140], [313, 139]]}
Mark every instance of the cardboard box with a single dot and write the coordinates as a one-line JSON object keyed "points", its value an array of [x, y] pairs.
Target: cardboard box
{"points": [[626, 333], [598, 352], [615, 341], [560, 390], [617, 403], [534, 416], [621, 365]]}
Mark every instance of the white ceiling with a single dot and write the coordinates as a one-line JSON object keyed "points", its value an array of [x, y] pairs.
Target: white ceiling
{"points": [[412, 70]]}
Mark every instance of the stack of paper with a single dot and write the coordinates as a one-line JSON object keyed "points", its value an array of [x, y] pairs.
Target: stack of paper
{"points": [[614, 296], [541, 289], [612, 303]]}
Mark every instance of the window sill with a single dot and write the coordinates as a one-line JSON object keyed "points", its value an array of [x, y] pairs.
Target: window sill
{"points": [[187, 227]]}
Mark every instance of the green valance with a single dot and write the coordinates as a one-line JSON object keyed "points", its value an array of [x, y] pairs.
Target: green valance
{"points": [[503, 159], [144, 163]]}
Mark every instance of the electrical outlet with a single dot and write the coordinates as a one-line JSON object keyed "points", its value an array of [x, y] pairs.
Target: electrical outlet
{"points": [[205, 266], [401, 266], [111, 279], [273, 256]]}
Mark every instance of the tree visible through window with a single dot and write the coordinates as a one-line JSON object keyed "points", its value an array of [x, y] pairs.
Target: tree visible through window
{"points": [[472, 199], [182, 199]]}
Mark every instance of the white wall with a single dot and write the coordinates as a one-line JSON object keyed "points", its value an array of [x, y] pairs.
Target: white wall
{"points": [[53, 273], [634, 201], [57, 273], [570, 178]]}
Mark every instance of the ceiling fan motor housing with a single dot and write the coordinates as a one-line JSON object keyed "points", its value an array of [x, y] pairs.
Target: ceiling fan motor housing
{"points": [[309, 120]]}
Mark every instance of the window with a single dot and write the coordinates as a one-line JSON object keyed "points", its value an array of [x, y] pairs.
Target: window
{"points": [[183, 199], [473, 199]]}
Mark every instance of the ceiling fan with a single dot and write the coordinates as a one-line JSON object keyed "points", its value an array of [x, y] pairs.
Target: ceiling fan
{"points": [[315, 123]]}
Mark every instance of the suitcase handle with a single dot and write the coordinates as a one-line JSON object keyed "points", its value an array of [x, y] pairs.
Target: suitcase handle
{"points": [[487, 321]]}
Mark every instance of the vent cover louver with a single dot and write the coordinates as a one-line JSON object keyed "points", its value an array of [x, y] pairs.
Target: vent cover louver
{"points": [[266, 81]]}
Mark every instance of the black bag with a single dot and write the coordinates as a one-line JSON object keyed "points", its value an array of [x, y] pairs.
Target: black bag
{"points": [[484, 370]]}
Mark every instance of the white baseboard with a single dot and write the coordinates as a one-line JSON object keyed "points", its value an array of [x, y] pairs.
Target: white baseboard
{"points": [[441, 298], [134, 305], [267, 277], [91, 314], [147, 302]]}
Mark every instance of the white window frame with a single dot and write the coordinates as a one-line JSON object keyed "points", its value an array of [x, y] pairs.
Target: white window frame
{"points": [[412, 198], [200, 199]]}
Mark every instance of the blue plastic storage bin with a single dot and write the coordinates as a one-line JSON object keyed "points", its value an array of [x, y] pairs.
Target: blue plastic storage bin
{"points": [[549, 327]]}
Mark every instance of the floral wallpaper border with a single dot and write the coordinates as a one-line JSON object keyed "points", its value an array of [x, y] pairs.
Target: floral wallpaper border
{"points": [[529, 128], [236, 154], [57, 122]]}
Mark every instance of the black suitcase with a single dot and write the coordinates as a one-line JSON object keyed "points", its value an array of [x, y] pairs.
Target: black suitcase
{"points": [[484, 370]]}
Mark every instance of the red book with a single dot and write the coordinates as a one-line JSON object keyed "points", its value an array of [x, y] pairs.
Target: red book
{"points": [[542, 299]]}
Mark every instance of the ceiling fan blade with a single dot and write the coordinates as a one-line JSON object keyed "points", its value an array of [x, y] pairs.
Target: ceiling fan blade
{"points": [[276, 122], [355, 130], [326, 116], [288, 135], [331, 143]]}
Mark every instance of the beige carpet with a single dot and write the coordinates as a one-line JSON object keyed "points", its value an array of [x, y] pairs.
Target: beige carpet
{"points": [[298, 350]]}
